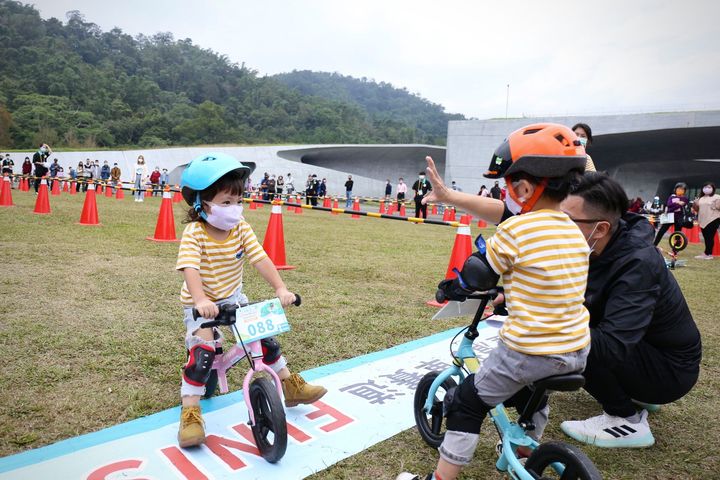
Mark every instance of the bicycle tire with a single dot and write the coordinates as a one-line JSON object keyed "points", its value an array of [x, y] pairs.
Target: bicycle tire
{"points": [[577, 465], [430, 429], [269, 418]]}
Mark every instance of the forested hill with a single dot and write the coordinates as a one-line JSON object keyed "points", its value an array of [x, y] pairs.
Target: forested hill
{"points": [[384, 103], [71, 84]]}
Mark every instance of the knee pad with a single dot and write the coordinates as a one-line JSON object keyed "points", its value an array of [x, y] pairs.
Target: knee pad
{"points": [[271, 350], [464, 409], [200, 361]]}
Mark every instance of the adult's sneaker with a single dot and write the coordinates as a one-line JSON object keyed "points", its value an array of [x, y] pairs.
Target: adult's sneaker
{"points": [[608, 431]]}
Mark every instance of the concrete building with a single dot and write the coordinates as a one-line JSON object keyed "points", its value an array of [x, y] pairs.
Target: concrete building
{"points": [[370, 165], [647, 153]]}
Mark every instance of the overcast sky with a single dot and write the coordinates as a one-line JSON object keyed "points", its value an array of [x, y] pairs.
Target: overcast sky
{"points": [[559, 57]]}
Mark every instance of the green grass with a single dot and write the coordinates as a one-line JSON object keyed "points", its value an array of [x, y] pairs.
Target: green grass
{"points": [[92, 329]]}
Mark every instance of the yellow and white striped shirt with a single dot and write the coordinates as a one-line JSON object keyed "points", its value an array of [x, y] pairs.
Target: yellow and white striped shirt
{"points": [[220, 263], [543, 259]]}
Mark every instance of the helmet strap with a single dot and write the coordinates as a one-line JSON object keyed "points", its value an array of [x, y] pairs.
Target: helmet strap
{"points": [[530, 203], [198, 207]]}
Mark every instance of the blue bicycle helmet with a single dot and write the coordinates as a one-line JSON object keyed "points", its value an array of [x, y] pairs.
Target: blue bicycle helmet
{"points": [[205, 170]]}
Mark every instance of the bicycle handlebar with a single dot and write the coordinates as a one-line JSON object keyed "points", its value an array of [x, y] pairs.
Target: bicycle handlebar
{"points": [[226, 316]]}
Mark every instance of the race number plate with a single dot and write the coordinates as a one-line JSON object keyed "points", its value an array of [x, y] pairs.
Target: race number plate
{"points": [[261, 320]]}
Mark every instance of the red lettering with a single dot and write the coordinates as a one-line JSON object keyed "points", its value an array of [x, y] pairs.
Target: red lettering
{"points": [[219, 446], [325, 409], [183, 464], [297, 434], [102, 472]]}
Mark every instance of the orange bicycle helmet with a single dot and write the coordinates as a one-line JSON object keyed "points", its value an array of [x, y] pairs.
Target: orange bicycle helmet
{"points": [[543, 150]]}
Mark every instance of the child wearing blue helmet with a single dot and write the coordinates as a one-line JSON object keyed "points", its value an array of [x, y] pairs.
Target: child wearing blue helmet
{"points": [[214, 247]]}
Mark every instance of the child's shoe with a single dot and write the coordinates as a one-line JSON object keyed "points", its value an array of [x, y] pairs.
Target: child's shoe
{"points": [[296, 391], [192, 431]]}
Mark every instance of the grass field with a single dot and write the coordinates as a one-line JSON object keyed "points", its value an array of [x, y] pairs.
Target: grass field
{"points": [[92, 333]]}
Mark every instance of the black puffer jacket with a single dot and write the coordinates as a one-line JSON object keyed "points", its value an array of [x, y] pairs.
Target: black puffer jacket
{"points": [[632, 297]]}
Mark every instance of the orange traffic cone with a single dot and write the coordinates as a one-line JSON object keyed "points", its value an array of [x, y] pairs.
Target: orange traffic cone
{"points": [[694, 236], [66, 187], [466, 219], [716, 247], [403, 213], [382, 206], [73, 187], [462, 249], [392, 209], [274, 242], [89, 215], [253, 205], [119, 194], [165, 227], [336, 205], [55, 191], [108, 191], [356, 207], [326, 202], [5, 192], [148, 192], [482, 223], [177, 196], [446, 215], [99, 190], [434, 209], [42, 204], [290, 202], [452, 214]]}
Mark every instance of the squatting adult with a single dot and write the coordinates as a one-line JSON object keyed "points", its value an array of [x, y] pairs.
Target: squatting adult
{"points": [[645, 346]]}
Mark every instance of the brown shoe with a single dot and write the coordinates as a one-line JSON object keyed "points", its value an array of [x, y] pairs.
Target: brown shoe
{"points": [[192, 431], [296, 391]]}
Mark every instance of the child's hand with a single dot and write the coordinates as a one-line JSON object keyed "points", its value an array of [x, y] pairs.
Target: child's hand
{"points": [[285, 296], [207, 308]]}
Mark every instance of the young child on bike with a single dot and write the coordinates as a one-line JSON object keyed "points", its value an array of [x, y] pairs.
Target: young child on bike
{"points": [[542, 257], [215, 245]]}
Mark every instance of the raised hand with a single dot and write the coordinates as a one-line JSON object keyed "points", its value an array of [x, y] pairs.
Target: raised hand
{"points": [[440, 193]]}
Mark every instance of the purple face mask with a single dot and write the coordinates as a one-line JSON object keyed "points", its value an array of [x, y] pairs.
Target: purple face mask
{"points": [[224, 217]]}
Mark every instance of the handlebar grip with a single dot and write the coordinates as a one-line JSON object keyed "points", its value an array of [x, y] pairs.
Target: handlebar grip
{"points": [[298, 300], [196, 314]]}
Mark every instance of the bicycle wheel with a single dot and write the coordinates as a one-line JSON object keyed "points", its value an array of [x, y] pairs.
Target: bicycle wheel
{"points": [[430, 425], [211, 384], [577, 466], [270, 429]]}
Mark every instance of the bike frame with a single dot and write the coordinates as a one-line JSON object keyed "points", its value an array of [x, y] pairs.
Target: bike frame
{"points": [[227, 360], [511, 434]]}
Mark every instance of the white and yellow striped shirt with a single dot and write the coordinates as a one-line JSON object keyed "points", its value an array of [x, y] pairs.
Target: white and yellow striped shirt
{"points": [[220, 263], [543, 259]]}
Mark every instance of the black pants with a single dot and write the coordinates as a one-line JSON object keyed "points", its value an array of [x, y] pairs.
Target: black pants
{"points": [[420, 209], [666, 226], [709, 235], [647, 375]]}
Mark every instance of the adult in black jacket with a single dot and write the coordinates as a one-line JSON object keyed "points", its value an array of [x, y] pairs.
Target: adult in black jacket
{"points": [[645, 346], [40, 161]]}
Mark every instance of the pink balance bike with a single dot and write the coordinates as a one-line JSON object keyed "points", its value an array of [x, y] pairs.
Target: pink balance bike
{"points": [[250, 323]]}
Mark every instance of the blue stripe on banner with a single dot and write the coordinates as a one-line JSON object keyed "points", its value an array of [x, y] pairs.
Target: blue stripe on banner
{"points": [[166, 417]]}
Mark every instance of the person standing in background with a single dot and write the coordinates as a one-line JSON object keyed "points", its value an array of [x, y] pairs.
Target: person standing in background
{"points": [[388, 189], [164, 179], [495, 191], [421, 187], [675, 204], [115, 175], [280, 186], [708, 212], [40, 160], [348, 191], [484, 191], [105, 172], [584, 133], [289, 184], [141, 173], [401, 191]]}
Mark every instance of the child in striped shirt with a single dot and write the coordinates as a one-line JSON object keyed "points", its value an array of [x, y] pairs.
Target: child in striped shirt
{"points": [[542, 257], [213, 250]]}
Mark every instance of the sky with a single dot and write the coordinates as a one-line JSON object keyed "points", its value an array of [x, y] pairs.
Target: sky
{"points": [[558, 57]]}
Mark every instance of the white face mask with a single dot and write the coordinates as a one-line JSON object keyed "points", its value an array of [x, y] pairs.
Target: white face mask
{"points": [[224, 217], [707, 190], [592, 247], [512, 205], [583, 141]]}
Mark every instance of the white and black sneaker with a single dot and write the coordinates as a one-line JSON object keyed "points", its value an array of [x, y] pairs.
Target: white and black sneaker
{"points": [[609, 431]]}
